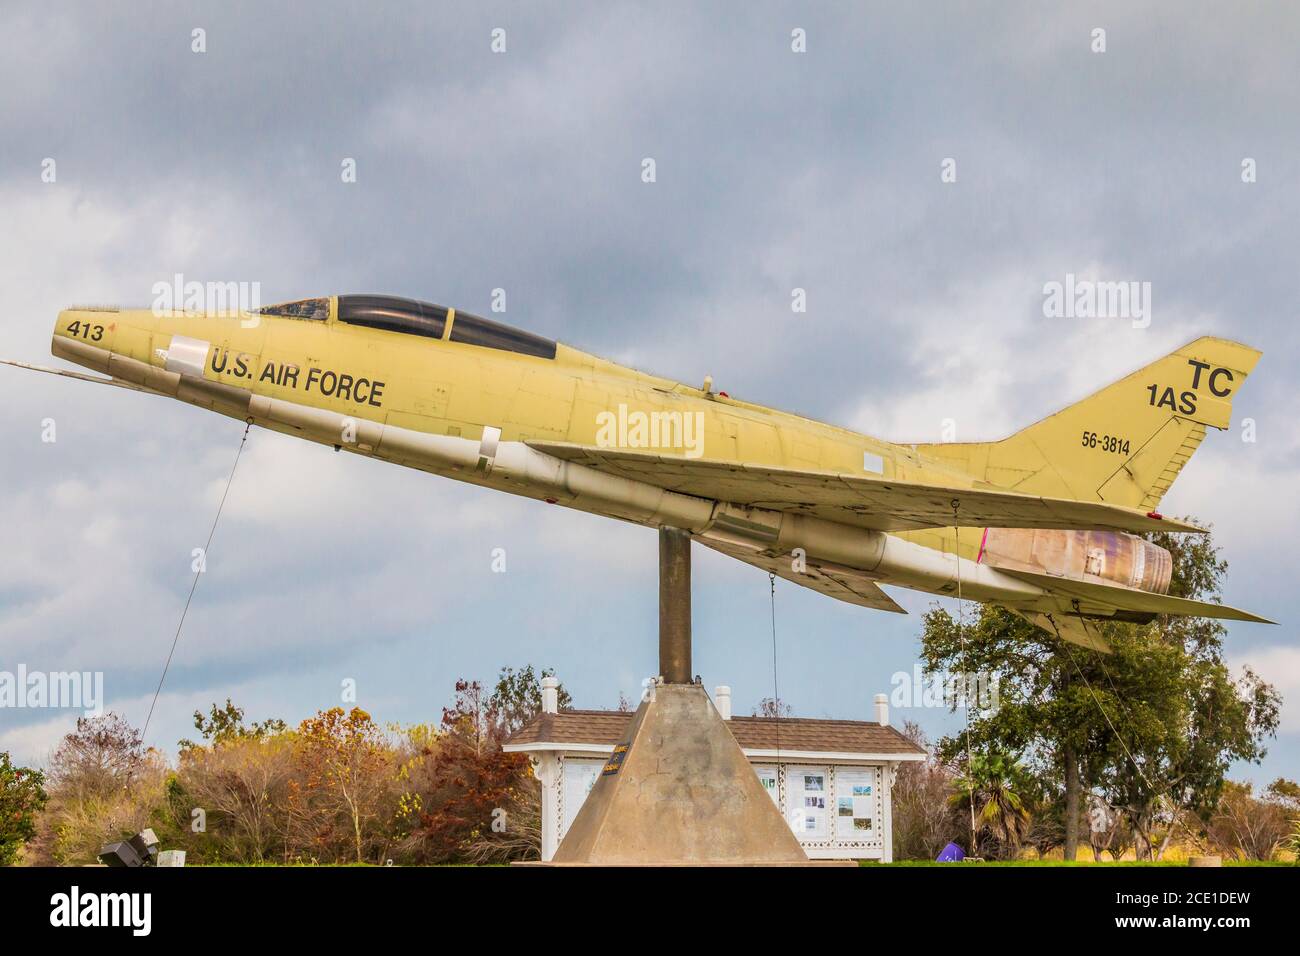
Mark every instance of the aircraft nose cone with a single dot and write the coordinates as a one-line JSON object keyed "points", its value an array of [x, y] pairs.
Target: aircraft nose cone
{"points": [[85, 336], [91, 326]]}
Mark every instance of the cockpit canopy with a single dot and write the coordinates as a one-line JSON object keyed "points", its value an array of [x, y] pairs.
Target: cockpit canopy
{"points": [[302, 309], [393, 314], [410, 317]]}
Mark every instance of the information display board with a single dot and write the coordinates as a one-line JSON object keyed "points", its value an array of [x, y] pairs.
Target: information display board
{"points": [[809, 796], [856, 800]]}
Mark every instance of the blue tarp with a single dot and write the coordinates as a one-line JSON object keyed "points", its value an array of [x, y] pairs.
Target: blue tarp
{"points": [[952, 853]]}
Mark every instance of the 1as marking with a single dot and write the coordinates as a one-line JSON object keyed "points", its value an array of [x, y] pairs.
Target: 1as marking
{"points": [[1219, 382], [86, 331]]}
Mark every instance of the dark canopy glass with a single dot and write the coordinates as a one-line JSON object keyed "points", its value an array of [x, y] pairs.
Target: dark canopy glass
{"points": [[393, 314], [422, 318], [474, 330]]}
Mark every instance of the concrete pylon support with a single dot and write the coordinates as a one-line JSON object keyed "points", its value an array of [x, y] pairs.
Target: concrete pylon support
{"points": [[675, 606], [678, 790]]}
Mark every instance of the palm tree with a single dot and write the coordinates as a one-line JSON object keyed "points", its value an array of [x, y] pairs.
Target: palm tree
{"points": [[1293, 841], [992, 781]]}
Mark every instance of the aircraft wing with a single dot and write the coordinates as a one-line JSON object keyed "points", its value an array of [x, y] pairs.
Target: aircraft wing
{"points": [[843, 584], [1115, 597], [864, 501]]}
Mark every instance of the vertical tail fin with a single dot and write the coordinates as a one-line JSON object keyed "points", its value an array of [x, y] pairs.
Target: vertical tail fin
{"points": [[1124, 444]]}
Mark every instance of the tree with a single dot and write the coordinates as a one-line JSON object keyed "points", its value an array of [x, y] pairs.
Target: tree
{"points": [[224, 724], [1041, 714], [517, 697], [1153, 726], [480, 802], [103, 786], [994, 784], [1292, 842], [1250, 827], [1179, 721], [475, 802], [22, 797], [473, 717], [516, 832], [99, 757], [345, 762], [242, 788], [773, 707], [484, 804], [924, 820]]}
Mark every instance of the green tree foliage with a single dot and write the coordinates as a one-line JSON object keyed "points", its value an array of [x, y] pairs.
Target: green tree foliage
{"points": [[22, 797], [994, 783], [1154, 726], [226, 724], [517, 697]]}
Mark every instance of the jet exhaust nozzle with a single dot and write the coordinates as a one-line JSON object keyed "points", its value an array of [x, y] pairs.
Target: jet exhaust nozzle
{"points": [[1109, 556]]}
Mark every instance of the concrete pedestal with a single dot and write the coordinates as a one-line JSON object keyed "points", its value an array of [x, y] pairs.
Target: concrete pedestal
{"points": [[679, 790]]}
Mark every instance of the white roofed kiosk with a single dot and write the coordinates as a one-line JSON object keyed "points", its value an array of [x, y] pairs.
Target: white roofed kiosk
{"points": [[844, 768], [671, 785]]}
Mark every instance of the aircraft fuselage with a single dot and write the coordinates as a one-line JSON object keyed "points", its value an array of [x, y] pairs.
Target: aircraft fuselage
{"points": [[462, 397]]}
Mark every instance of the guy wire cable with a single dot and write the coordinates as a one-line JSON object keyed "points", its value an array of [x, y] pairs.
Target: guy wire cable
{"points": [[197, 574]]}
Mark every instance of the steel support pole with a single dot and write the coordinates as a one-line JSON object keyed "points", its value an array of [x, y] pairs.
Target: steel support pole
{"points": [[675, 606]]}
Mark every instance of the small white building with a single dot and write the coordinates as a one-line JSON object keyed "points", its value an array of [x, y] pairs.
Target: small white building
{"points": [[831, 779]]}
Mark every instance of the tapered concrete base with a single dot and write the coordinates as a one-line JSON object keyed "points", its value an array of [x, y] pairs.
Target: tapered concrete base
{"points": [[682, 792]]}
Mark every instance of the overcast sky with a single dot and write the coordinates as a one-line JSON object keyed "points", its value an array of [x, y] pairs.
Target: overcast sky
{"points": [[522, 170]]}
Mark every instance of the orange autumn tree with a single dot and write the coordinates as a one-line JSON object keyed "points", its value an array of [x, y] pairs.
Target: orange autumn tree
{"points": [[344, 789], [475, 785]]}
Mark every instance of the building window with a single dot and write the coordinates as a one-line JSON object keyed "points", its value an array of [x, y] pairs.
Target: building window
{"points": [[393, 314], [473, 330]]}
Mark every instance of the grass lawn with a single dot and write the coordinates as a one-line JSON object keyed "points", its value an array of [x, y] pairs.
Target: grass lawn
{"points": [[1181, 863]]}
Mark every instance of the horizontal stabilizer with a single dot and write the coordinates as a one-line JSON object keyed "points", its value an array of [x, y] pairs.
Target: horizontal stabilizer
{"points": [[1100, 598], [864, 501]]}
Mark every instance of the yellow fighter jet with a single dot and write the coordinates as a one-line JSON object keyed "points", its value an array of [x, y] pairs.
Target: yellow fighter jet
{"points": [[1043, 523]]}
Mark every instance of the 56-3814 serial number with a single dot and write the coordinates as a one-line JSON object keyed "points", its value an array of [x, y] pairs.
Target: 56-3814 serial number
{"points": [[1111, 443]]}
